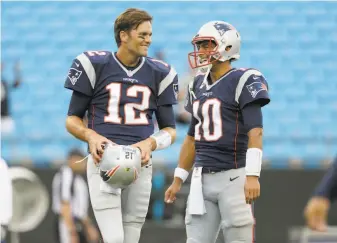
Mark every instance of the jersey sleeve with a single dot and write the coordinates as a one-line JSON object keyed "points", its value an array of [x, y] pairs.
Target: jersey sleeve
{"points": [[252, 88], [168, 89], [81, 75], [328, 185], [189, 98]]}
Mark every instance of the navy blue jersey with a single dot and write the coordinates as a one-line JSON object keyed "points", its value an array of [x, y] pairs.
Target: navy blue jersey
{"points": [[221, 138], [123, 101]]}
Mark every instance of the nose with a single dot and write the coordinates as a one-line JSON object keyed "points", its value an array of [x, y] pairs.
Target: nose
{"points": [[148, 39]]}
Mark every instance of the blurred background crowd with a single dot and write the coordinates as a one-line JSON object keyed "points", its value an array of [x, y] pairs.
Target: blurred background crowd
{"points": [[293, 43]]}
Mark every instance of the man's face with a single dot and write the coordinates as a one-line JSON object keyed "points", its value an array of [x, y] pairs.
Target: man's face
{"points": [[140, 39], [205, 48]]}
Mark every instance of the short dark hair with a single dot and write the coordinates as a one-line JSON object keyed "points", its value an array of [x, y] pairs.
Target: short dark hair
{"points": [[75, 152], [128, 20]]}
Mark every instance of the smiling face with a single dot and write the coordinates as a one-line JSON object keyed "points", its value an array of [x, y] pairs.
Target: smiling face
{"points": [[133, 31], [139, 39]]}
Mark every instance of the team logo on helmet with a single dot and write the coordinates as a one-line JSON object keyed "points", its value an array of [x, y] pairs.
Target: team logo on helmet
{"points": [[107, 174], [222, 27]]}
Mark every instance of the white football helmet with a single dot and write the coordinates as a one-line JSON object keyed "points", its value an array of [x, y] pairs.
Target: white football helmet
{"points": [[223, 35], [120, 165]]}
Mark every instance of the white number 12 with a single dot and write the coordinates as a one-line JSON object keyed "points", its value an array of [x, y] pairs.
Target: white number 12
{"points": [[115, 92]]}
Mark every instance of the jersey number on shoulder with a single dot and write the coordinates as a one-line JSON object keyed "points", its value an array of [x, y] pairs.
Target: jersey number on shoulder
{"points": [[115, 90], [211, 117]]}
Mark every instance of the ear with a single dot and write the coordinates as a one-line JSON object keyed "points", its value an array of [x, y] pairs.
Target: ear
{"points": [[124, 36]]}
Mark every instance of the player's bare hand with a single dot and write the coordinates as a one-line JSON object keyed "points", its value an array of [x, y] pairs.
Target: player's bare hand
{"points": [[145, 147], [316, 213], [252, 189], [96, 145], [170, 194]]}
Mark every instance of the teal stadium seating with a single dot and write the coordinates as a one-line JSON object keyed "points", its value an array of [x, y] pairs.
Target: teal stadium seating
{"points": [[293, 43]]}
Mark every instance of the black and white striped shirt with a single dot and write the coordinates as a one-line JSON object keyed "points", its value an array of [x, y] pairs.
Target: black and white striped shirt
{"points": [[72, 188]]}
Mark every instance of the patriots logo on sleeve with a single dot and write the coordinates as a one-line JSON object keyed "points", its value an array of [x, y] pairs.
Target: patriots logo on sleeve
{"points": [[255, 87], [74, 75], [222, 28]]}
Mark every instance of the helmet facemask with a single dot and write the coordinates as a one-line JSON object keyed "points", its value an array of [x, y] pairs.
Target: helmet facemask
{"points": [[196, 59]]}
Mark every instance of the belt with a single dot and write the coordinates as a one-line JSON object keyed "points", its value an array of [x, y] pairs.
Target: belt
{"points": [[213, 170]]}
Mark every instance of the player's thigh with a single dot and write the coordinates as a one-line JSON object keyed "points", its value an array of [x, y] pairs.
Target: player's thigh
{"points": [[100, 200], [136, 197], [106, 207], [203, 228], [232, 202]]}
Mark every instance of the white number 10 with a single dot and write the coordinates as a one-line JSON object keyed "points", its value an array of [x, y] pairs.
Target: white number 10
{"points": [[215, 106], [115, 92]]}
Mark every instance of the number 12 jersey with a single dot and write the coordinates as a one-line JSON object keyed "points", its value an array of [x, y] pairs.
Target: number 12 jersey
{"points": [[123, 99]]}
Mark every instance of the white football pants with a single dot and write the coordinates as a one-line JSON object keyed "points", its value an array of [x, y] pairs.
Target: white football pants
{"points": [[120, 218]]}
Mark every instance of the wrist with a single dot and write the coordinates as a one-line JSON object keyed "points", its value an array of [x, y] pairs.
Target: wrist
{"points": [[88, 133], [253, 162], [162, 138], [152, 143], [180, 173], [177, 180]]}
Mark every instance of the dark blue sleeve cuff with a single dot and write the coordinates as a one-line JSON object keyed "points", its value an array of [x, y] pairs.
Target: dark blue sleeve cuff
{"points": [[78, 104], [328, 186], [165, 116], [252, 116]]}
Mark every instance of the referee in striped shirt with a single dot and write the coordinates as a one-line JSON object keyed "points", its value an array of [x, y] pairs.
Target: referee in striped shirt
{"points": [[71, 201]]}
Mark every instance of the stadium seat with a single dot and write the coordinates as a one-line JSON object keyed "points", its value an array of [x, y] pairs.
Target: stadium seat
{"points": [[294, 44]]}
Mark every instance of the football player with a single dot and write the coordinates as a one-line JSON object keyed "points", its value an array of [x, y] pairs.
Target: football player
{"points": [[224, 142], [121, 91], [316, 211]]}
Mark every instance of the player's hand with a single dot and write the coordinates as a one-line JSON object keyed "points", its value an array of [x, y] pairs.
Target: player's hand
{"points": [[170, 194], [96, 145], [252, 189], [316, 213], [93, 234], [145, 147]]}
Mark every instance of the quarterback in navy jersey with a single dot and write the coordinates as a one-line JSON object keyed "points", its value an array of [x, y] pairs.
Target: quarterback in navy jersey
{"points": [[121, 91], [224, 142]]}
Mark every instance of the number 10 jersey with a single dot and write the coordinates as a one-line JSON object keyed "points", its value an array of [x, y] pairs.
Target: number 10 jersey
{"points": [[220, 135]]}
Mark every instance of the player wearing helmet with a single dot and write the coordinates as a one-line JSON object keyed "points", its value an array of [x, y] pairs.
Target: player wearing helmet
{"points": [[224, 142], [121, 91]]}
